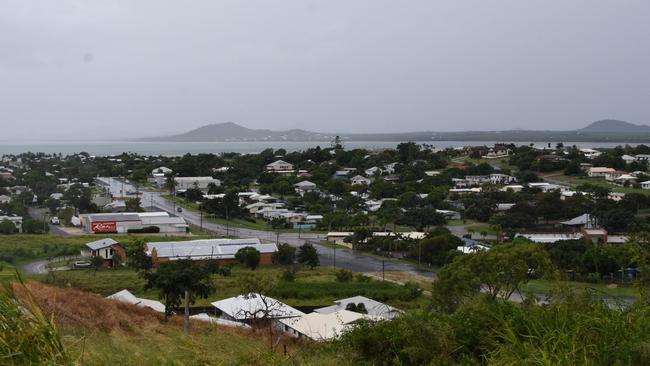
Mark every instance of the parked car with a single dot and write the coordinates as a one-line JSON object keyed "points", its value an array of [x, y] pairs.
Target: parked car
{"points": [[81, 264], [55, 220], [179, 209]]}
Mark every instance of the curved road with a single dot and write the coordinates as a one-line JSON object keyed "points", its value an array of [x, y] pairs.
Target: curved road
{"points": [[40, 267]]}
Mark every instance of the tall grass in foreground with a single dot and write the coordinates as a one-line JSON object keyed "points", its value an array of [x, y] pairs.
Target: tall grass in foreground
{"points": [[27, 336]]}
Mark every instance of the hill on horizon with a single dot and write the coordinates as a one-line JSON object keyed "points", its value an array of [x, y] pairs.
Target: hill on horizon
{"points": [[614, 125], [603, 130]]}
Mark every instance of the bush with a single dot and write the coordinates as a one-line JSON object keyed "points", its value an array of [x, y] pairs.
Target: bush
{"points": [[289, 275], [362, 278], [344, 275], [7, 227], [145, 230], [249, 256]]}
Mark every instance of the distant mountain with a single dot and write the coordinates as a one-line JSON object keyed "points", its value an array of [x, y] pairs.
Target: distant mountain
{"points": [[599, 131], [229, 131], [613, 125]]}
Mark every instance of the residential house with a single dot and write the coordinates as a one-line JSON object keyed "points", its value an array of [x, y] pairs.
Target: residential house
{"points": [[321, 327], [360, 180], [628, 158], [305, 186], [108, 249], [476, 180], [599, 171], [645, 185], [373, 171], [5, 199], [280, 167], [472, 246], [614, 175], [202, 183], [16, 220], [161, 171], [253, 307], [127, 297], [497, 178], [371, 307], [590, 153]]}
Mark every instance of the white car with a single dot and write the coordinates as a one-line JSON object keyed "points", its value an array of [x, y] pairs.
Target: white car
{"points": [[81, 264], [55, 220]]}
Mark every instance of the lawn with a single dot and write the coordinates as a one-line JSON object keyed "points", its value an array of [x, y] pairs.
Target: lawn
{"points": [[573, 181], [544, 287], [312, 287]]}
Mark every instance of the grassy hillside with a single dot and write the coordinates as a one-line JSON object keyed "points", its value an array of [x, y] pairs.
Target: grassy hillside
{"points": [[96, 331]]}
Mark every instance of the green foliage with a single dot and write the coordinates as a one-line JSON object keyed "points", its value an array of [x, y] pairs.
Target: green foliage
{"points": [[344, 275], [7, 227], [308, 255], [248, 256], [286, 255], [499, 272], [173, 278]]}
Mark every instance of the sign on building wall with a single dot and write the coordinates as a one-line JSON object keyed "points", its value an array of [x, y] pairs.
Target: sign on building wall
{"points": [[104, 227]]}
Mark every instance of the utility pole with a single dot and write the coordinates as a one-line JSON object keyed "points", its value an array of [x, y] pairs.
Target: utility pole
{"points": [[201, 212], [383, 270]]}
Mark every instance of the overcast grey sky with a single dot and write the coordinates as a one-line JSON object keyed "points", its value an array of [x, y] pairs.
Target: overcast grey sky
{"points": [[142, 68]]}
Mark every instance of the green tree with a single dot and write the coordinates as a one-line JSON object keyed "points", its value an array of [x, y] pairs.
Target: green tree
{"points": [[182, 280], [499, 272], [96, 262], [286, 255], [248, 256], [308, 255], [7, 227], [137, 258], [133, 204]]}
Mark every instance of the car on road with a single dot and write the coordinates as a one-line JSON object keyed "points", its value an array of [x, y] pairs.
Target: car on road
{"points": [[55, 221], [81, 264], [179, 209]]}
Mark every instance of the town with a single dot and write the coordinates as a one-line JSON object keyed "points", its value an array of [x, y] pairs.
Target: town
{"points": [[314, 246]]}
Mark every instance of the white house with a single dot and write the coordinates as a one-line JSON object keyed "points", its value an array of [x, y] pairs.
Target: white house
{"points": [[202, 183], [305, 186], [372, 307], [599, 171], [16, 220], [497, 178], [279, 166], [106, 248], [372, 171], [127, 297], [590, 153], [5, 199], [360, 180], [322, 327], [646, 184], [252, 306], [161, 171]]}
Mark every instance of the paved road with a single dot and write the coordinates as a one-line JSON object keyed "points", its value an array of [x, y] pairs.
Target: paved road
{"points": [[40, 267], [42, 213], [354, 261]]}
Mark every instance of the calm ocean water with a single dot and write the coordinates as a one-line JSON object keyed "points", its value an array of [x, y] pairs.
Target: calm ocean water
{"points": [[104, 148]]}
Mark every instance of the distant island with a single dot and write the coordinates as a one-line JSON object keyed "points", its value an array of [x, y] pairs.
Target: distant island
{"points": [[608, 130]]}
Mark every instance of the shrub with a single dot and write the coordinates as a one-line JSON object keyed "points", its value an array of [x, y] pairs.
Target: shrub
{"points": [[249, 256], [344, 275]]}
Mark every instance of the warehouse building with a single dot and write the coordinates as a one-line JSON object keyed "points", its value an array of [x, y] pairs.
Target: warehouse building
{"points": [[133, 222], [222, 249]]}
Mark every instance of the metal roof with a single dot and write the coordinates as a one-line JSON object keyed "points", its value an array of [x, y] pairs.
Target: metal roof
{"points": [[102, 243], [251, 306], [207, 248], [112, 217], [373, 307]]}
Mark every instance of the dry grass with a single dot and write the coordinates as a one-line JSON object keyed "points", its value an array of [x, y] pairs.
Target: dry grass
{"points": [[99, 331], [82, 310]]}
